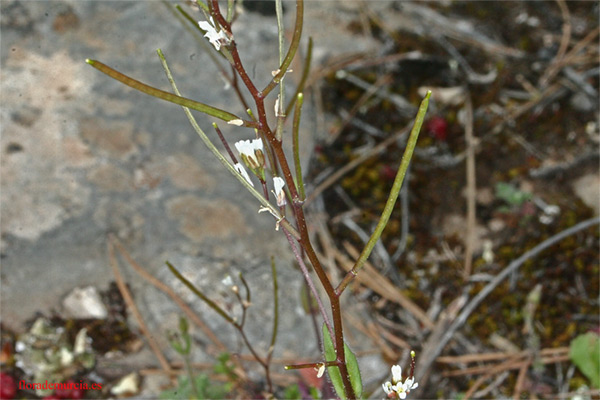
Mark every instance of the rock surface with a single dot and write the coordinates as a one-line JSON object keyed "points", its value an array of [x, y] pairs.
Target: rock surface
{"points": [[84, 156]]}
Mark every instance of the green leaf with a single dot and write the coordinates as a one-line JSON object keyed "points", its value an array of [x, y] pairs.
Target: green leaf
{"points": [[511, 195], [204, 387], [292, 392], [585, 353], [334, 372], [161, 94]]}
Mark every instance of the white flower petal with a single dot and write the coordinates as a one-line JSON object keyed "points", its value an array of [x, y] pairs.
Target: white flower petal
{"points": [[388, 388], [243, 147], [239, 168], [278, 184], [257, 144], [207, 26], [396, 374]]}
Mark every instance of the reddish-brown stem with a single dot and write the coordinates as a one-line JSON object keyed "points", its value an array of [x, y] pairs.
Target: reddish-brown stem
{"points": [[220, 134], [276, 145], [311, 365]]}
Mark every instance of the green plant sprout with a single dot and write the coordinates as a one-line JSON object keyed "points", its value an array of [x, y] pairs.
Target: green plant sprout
{"points": [[264, 156]]}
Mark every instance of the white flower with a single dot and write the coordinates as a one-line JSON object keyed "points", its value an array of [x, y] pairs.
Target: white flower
{"points": [[397, 389], [388, 388], [216, 38], [278, 184], [252, 154], [239, 168], [403, 389]]}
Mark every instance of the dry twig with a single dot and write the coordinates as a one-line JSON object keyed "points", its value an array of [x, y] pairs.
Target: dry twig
{"points": [[471, 186], [483, 293], [169, 292], [134, 310]]}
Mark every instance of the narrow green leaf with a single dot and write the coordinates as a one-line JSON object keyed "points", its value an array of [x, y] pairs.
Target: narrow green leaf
{"points": [[334, 372], [161, 94], [397, 185], [353, 371]]}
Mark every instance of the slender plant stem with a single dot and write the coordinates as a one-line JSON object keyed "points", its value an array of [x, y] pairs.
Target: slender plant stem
{"points": [[280, 104], [391, 201], [302, 83], [272, 210], [291, 51], [275, 309], [296, 146], [231, 80], [201, 295], [309, 281], [227, 317], [287, 175]]}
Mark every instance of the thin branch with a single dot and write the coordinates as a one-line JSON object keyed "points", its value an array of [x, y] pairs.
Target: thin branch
{"points": [[134, 310], [201, 295], [272, 209], [309, 281], [471, 187], [296, 145]]}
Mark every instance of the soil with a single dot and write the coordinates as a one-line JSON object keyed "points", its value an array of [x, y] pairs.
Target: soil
{"points": [[538, 150]]}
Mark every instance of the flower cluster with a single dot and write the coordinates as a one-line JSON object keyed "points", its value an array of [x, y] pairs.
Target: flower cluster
{"points": [[396, 388], [216, 38], [252, 154]]}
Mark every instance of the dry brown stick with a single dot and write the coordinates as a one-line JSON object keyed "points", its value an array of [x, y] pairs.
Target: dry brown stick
{"points": [[572, 55], [387, 351], [134, 310], [467, 358], [390, 337], [429, 347], [372, 279], [510, 268], [371, 331], [555, 66], [520, 381], [506, 365], [568, 58], [169, 292], [471, 186], [551, 359], [381, 81]]}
